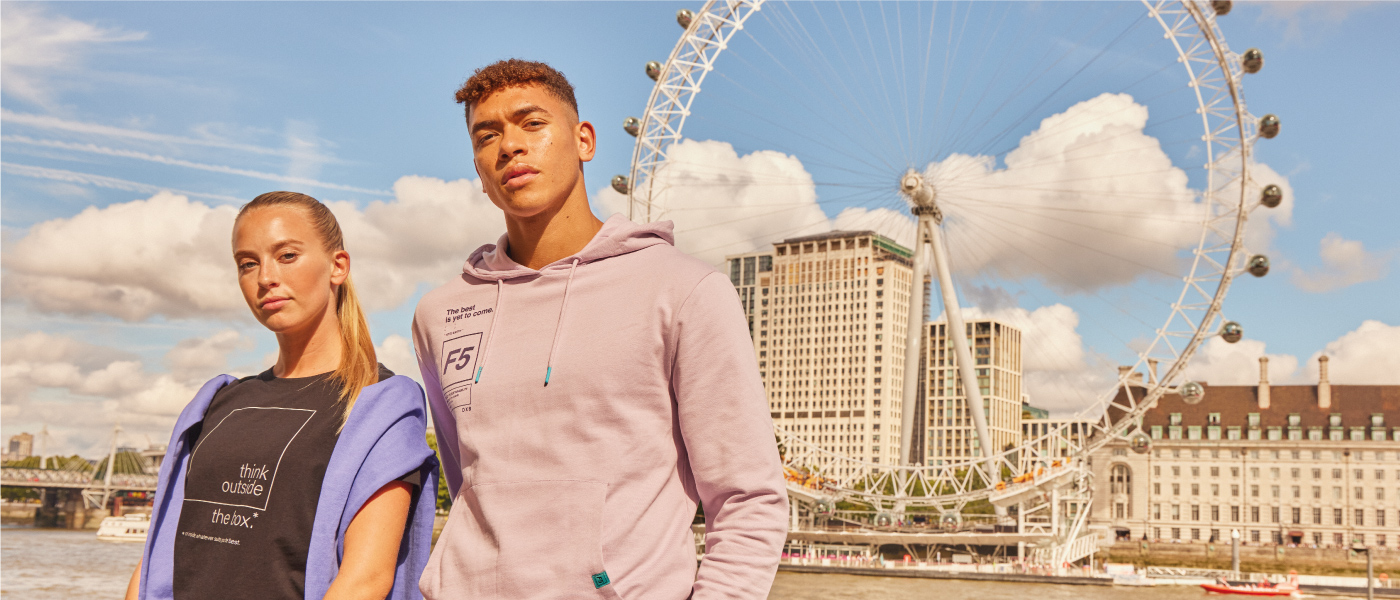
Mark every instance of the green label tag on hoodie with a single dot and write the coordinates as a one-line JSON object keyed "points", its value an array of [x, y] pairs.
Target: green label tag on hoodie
{"points": [[600, 580]]}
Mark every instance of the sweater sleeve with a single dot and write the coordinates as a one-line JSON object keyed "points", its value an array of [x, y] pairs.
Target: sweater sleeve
{"points": [[729, 442], [444, 426]]}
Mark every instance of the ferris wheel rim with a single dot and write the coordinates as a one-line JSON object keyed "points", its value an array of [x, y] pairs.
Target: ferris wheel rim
{"points": [[1194, 31]]}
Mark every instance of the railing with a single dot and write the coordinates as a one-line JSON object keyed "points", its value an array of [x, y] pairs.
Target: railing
{"points": [[22, 477]]}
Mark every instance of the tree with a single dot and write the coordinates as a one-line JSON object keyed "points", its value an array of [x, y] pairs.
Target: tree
{"points": [[444, 496]]}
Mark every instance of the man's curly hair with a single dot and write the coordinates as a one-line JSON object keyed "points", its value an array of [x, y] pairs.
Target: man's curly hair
{"points": [[510, 73]]}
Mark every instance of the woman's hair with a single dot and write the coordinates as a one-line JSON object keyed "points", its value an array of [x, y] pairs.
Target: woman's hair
{"points": [[358, 365]]}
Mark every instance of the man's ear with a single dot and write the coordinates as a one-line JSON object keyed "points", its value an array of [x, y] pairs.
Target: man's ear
{"points": [[587, 141]]}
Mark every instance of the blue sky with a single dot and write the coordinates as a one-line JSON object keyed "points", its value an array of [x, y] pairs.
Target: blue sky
{"points": [[106, 104]]}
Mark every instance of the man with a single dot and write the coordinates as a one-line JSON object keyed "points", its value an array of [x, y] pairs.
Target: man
{"points": [[589, 385]]}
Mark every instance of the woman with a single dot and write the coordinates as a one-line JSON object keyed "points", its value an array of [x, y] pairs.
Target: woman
{"points": [[312, 479]]}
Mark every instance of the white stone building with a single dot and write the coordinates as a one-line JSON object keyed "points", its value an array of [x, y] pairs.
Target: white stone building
{"points": [[1288, 464]]}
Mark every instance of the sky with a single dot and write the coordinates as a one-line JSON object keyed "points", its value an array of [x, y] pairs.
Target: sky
{"points": [[130, 133]]}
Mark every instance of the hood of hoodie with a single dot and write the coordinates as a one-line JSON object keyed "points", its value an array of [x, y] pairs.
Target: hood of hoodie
{"points": [[618, 236]]}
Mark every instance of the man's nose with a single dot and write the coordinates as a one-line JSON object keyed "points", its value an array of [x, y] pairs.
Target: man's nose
{"points": [[512, 143]]}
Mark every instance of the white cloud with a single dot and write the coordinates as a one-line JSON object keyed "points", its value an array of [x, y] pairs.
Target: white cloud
{"points": [[102, 181], [396, 353], [1059, 373], [1086, 200], [36, 47], [1218, 362], [169, 256], [80, 390], [1344, 263], [164, 255], [723, 203], [306, 161], [1368, 355]]}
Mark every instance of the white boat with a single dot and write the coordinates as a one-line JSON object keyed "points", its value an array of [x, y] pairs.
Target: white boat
{"points": [[126, 528]]}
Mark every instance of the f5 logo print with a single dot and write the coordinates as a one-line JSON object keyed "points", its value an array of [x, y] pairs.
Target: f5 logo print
{"points": [[458, 369]]}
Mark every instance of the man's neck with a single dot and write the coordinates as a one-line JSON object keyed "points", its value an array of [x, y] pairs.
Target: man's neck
{"points": [[551, 235]]}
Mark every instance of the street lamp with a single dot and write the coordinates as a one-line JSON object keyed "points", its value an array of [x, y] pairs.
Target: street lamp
{"points": [[1357, 546], [1235, 553]]}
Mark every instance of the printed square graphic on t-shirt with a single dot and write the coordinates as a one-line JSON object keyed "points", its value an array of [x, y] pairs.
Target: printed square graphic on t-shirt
{"points": [[458, 369], [250, 444]]}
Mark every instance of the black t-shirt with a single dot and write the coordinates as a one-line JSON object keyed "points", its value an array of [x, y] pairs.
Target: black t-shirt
{"points": [[253, 482]]}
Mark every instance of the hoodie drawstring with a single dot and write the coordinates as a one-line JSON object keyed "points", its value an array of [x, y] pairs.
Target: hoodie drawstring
{"points": [[559, 325], [486, 344]]}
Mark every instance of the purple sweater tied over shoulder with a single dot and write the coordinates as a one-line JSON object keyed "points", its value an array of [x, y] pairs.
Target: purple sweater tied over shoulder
{"points": [[382, 439]]}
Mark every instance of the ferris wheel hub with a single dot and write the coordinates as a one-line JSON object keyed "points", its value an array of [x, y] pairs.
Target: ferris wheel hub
{"points": [[922, 196]]}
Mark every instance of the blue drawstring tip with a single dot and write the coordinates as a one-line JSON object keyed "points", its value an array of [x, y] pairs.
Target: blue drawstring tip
{"points": [[478, 374], [547, 371]]}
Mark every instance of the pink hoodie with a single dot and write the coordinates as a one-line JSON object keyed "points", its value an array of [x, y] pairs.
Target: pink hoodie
{"points": [[582, 410]]}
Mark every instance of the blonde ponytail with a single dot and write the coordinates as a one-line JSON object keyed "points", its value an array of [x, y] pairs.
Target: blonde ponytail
{"points": [[359, 367]]}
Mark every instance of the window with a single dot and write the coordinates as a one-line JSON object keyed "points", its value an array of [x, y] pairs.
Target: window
{"points": [[1157, 514], [1213, 419], [1235, 514], [1215, 471], [1176, 489], [1360, 517], [1317, 516], [1273, 514], [1195, 512], [1195, 489], [1337, 517], [1215, 513], [1380, 517], [1121, 480], [1253, 419], [1254, 514], [1295, 419], [1335, 419], [1176, 512]]}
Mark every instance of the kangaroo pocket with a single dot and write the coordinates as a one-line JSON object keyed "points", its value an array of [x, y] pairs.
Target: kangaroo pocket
{"points": [[535, 540]]}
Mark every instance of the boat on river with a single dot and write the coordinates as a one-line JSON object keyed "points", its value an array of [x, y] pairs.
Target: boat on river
{"points": [[126, 528], [1263, 588]]}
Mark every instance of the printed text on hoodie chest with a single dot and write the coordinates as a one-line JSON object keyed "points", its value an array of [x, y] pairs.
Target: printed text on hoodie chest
{"points": [[458, 357]]}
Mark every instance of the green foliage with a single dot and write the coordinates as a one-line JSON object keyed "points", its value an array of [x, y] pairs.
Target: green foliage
{"points": [[67, 463], [444, 496], [19, 494], [128, 463]]}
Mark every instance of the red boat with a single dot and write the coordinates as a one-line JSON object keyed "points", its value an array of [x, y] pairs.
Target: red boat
{"points": [[1263, 588]]}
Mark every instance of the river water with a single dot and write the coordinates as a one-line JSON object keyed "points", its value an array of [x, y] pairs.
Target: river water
{"points": [[53, 564]]}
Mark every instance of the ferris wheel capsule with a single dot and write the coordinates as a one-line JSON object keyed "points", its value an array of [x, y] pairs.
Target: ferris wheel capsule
{"points": [[1268, 126], [1192, 392], [1271, 196], [1140, 442], [950, 520], [1221, 7], [884, 519], [1258, 265], [632, 125], [684, 17], [1252, 60], [620, 183], [824, 507], [654, 71], [1231, 332]]}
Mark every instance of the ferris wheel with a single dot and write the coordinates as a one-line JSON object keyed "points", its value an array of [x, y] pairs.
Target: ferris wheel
{"points": [[908, 114]]}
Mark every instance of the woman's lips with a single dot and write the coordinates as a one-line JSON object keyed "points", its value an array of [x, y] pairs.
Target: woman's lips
{"points": [[274, 303]]}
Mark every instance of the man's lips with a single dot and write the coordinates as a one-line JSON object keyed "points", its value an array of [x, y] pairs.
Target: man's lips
{"points": [[517, 177], [273, 303]]}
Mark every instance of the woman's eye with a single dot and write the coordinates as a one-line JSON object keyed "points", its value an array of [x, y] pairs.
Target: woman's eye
{"points": [[289, 256]]}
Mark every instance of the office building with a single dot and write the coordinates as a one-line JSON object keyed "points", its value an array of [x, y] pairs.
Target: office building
{"points": [[996, 350], [829, 332]]}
